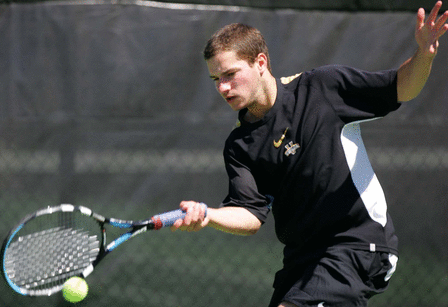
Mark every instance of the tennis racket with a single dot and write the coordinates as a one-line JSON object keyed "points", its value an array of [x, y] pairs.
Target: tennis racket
{"points": [[53, 244]]}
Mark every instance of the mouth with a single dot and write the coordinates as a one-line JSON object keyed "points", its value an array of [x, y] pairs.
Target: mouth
{"points": [[230, 99]]}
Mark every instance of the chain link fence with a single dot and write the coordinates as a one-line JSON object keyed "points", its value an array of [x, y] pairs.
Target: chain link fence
{"points": [[210, 268]]}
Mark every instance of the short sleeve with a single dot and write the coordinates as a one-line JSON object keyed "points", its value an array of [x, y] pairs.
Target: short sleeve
{"points": [[357, 94], [243, 190]]}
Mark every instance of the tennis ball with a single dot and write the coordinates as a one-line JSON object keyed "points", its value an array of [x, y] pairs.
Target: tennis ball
{"points": [[75, 289]]}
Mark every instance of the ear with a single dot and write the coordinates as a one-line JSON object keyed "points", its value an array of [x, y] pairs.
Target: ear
{"points": [[262, 62]]}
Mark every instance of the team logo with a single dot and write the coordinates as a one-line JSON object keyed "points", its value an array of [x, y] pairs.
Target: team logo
{"points": [[278, 143], [291, 148], [286, 80]]}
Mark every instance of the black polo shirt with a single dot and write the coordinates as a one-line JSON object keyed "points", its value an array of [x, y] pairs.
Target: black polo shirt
{"points": [[307, 152]]}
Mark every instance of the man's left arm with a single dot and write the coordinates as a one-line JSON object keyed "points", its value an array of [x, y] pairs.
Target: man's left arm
{"points": [[414, 72]]}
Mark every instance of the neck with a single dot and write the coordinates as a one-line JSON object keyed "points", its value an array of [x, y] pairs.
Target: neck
{"points": [[268, 93]]}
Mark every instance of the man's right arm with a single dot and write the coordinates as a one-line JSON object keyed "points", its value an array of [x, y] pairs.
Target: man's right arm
{"points": [[234, 220]]}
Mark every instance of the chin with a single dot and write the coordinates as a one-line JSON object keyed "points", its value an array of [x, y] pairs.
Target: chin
{"points": [[237, 107]]}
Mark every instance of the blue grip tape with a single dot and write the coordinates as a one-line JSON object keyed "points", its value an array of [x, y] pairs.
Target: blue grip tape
{"points": [[168, 218]]}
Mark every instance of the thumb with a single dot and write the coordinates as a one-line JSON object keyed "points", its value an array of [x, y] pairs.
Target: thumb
{"points": [[177, 224]]}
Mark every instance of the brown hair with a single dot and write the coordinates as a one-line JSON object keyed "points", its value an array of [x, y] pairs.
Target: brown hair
{"points": [[245, 40]]}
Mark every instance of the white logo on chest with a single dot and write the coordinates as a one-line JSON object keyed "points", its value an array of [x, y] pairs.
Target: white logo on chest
{"points": [[291, 149]]}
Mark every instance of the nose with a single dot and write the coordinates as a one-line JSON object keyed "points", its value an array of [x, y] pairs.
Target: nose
{"points": [[223, 86]]}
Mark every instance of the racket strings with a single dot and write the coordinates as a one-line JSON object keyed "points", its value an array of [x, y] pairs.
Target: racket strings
{"points": [[43, 260]]}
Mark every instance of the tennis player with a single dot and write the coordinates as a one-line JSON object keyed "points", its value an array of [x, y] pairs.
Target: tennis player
{"points": [[298, 142]]}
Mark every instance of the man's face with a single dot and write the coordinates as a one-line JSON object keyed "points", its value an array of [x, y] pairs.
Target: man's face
{"points": [[236, 80]]}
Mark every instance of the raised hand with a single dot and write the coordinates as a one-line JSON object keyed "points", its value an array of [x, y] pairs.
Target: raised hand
{"points": [[427, 32]]}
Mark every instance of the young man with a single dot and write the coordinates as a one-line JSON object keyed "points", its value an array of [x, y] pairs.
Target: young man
{"points": [[299, 144]]}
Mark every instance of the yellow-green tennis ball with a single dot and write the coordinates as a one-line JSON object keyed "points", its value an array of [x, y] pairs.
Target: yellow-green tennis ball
{"points": [[75, 289]]}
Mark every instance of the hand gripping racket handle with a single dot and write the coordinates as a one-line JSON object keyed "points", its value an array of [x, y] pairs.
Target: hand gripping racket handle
{"points": [[167, 219]]}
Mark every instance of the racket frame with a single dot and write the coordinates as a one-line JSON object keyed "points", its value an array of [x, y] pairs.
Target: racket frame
{"points": [[135, 228]]}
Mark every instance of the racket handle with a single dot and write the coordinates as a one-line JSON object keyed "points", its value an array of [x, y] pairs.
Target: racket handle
{"points": [[167, 219]]}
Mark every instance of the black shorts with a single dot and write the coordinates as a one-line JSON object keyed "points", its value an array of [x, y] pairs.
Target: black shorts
{"points": [[341, 278]]}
